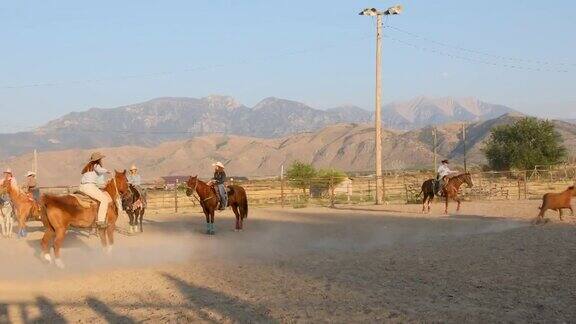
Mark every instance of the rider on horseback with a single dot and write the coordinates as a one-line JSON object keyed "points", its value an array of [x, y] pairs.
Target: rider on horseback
{"points": [[444, 174], [136, 181], [93, 178], [5, 202], [218, 180], [31, 186]]}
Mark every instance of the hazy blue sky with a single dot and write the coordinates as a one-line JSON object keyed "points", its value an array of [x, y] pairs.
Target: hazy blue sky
{"points": [[318, 52]]}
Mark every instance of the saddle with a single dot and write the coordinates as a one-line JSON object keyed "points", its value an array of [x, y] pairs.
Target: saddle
{"points": [[84, 200]]}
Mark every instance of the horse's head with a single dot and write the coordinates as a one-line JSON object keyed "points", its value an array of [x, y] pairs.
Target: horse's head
{"points": [[191, 184], [121, 182], [468, 179]]}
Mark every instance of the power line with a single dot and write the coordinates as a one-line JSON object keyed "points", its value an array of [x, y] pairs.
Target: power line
{"points": [[474, 60], [478, 52], [243, 61]]}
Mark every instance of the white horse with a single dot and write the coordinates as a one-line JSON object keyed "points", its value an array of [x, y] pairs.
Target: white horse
{"points": [[6, 218]]}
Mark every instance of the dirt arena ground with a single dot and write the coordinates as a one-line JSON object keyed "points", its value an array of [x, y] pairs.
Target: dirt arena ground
{"points": [[350, 264]]}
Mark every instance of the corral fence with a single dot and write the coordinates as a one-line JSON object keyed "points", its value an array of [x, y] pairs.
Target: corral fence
{"points": [[398, 187]]}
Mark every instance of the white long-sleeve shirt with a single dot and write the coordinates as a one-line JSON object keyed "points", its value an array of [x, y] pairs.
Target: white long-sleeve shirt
{"points": [[96, 177], [443, 170], [134, 179]]}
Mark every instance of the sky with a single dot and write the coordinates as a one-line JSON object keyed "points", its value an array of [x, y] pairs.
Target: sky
{"points": [[62, 56]]}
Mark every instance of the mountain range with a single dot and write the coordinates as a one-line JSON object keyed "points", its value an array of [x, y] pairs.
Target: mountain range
{"points": [[160, 120], [347, 147]]}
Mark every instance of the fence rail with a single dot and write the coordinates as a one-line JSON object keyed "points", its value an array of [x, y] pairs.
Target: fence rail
{"points": [[401, 187]]}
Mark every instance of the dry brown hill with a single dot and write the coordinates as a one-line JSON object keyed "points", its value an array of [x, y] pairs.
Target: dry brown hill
{"points": [[347, 147]]}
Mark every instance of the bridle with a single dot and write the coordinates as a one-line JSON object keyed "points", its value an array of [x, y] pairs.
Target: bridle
{"points": [[193, 194]]}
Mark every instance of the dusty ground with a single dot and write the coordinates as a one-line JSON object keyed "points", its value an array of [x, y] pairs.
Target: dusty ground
{"points": [[360, 264]]}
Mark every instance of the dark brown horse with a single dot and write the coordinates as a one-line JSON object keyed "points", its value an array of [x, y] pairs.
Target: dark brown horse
{"points": [[61, 212], [209, 201], [135, 208], [450, 190]]}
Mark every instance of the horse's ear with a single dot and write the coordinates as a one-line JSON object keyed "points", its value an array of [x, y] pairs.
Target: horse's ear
{"points": [[124, 171]]}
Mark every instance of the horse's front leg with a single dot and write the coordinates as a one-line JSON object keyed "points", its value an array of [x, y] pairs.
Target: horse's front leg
{"points": [[110, 236], [212, 226], [140, 219], [22, 216]]}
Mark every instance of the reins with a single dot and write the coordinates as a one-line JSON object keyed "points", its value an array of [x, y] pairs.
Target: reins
{"points": [[194, 192]]}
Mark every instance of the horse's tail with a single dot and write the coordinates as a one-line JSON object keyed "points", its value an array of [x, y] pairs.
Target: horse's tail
{"points": [[44, 212], [244, 205]]}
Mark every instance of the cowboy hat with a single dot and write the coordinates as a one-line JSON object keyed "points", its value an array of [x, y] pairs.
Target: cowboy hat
{"points": [[445, 161], [30, 173], [8, 170], [96, 156], [218, 164], [133, 167]]}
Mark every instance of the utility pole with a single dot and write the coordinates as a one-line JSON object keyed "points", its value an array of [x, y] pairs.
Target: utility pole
{"points": [[378, 109], [464, 144], [378, 104], [435, 146], [35, 166]]}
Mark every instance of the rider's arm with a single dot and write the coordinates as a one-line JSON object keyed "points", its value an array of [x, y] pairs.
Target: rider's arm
{"points": [[100, 170]]}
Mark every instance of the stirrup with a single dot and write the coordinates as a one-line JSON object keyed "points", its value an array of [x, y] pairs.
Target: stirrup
{"points": [[101, 225]]}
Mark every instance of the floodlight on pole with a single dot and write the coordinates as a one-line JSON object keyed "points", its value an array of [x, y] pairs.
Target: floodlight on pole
{"points": [[396, 10]]}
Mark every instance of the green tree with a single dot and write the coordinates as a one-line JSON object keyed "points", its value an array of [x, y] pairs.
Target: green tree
{"points": [[524, 144], [300, 175], [330, 179]]}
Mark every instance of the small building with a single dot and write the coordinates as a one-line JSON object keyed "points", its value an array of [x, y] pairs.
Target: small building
{"points": [[170, 182]]}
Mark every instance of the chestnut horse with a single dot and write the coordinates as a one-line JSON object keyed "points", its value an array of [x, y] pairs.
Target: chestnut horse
{"points": [[25, 207], [450, 190], [61, 212], [209, 201]]}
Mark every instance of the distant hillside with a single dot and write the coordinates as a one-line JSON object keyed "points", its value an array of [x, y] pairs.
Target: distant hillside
{"points": [[347, 147], [167, 119]]}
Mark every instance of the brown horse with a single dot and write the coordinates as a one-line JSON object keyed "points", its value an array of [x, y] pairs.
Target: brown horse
{"points": [[450, 190], [61, 212], [209, 201], [135, 209], [25, 207]]}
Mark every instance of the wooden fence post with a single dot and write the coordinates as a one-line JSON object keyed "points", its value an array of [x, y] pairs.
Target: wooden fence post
{"points": [[176, 197], [331, 188], [282, 190], [525, 184]]}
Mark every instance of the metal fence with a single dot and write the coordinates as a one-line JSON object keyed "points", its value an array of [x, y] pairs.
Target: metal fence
{"points": [[398, 187]]}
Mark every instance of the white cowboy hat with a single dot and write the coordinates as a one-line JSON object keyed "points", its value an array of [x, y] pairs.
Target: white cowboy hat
{"points": [[218, 164], [30, 173], [8, 170], [96, 156], [133, 167]]}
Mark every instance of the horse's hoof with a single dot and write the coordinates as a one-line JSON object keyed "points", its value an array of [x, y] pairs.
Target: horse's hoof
{"points": [[108, 249], [59, 264], [47, 258]]}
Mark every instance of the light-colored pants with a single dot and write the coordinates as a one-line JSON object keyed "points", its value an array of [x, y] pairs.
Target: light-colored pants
{"points": [[93, 191]]}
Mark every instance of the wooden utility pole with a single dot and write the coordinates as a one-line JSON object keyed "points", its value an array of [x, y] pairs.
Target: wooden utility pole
{"points": [[378, 114], [464, 143], [435, 146], [282, 185], [35, 166]]}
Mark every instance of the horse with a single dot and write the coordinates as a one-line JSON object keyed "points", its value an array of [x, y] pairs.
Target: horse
{"points": [[6, 219], [61, 212], [135, 210], [23, 205], [209, 201], [450, 190]]}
